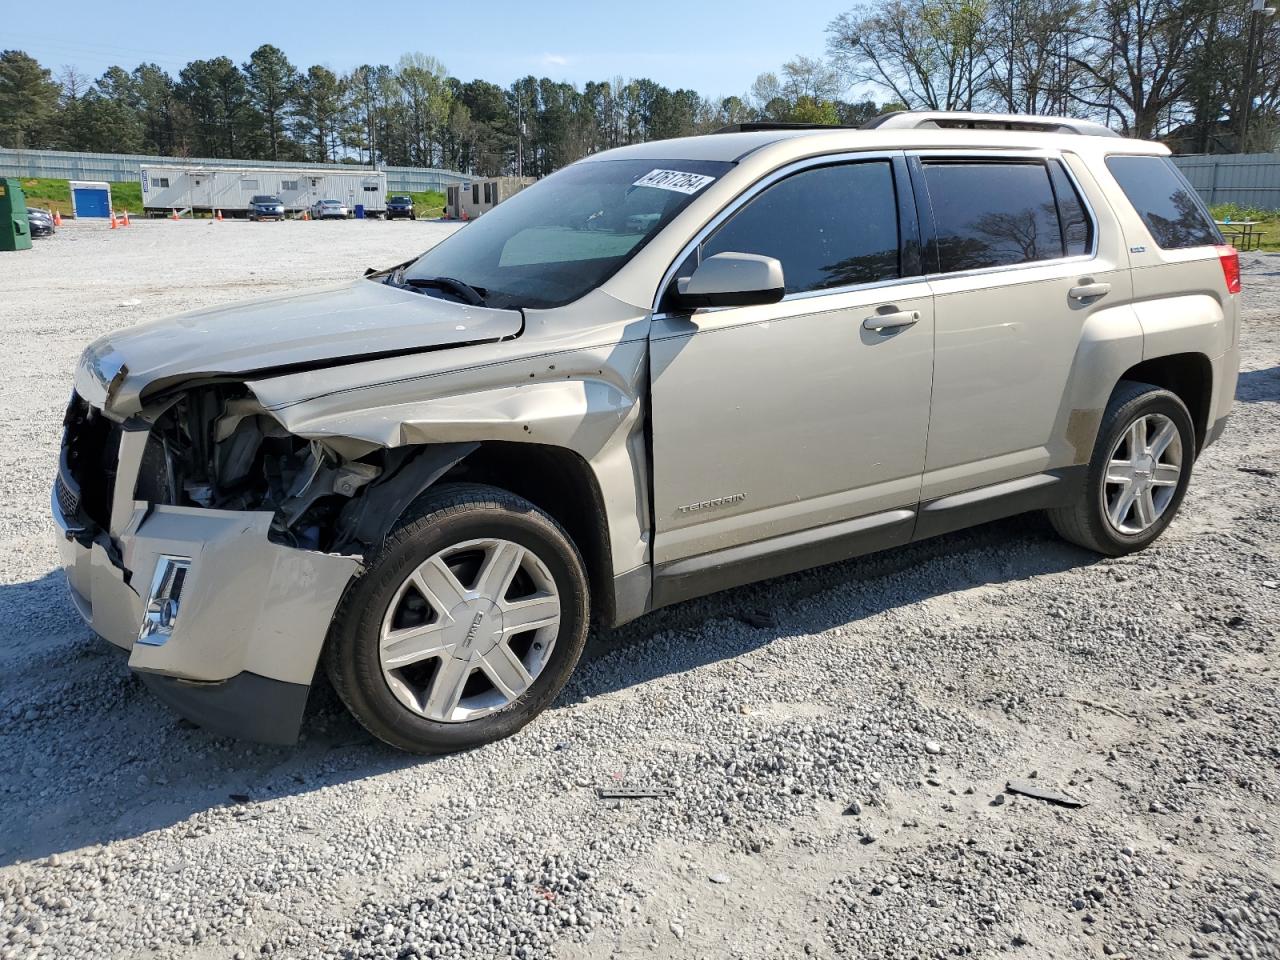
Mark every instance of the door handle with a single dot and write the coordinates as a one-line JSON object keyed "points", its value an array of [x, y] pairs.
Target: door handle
{"points": [[890, 321], [1087, 291]]}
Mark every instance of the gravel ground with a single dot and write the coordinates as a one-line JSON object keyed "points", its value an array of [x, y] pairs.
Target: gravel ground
{"points": [[838, 742]]}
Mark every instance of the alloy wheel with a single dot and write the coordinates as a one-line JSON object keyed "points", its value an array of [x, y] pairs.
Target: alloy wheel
{"points": [[469, 630], [1143, 472]]}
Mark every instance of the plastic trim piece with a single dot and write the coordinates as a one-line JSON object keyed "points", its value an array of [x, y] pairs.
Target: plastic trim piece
{"points": [[247, 706], [710, 572]]}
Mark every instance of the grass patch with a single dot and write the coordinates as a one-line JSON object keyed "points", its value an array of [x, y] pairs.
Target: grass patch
{"points": [[56, 195], [427, 204], [1269, 224]]}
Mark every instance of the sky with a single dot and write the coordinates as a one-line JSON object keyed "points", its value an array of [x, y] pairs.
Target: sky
{"points": [[716, 48]]}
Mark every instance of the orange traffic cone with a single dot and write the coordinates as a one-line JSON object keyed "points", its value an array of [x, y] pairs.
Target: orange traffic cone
{"points": [[218, 215], [464, 215], [175, 214], [113, 220], [57, 218], [306, 214], [124, 218]]}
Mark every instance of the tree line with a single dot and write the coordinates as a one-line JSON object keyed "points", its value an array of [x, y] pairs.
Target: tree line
{"points": [[1203, 74]]}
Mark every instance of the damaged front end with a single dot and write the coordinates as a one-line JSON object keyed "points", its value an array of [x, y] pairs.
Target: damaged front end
{"points": [[215, 546], [216, 447]]}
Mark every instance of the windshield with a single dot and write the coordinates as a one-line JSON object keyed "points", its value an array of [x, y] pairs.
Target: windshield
{"points": [[399, 199], [265, 199], [556, 240]]}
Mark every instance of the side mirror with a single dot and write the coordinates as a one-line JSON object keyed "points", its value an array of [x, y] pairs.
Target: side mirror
{"points": [[732, 280]]}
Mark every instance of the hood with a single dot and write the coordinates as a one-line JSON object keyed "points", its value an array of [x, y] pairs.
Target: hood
{"points": [[360, 321]]}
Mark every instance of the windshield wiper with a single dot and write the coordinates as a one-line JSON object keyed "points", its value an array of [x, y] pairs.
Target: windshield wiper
{"points": [[464, 291]]}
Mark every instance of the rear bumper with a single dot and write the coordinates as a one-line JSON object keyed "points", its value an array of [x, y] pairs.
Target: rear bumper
{"points": [[1226, 374], [252, 615]]}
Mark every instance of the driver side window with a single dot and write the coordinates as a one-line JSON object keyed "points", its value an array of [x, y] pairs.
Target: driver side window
{"points": [[830, 227]]}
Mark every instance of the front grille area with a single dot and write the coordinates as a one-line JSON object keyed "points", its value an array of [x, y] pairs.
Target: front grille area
{"points": [[68, 499], [87, 466]]}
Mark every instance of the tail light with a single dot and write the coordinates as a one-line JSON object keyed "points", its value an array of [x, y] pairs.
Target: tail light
{"points": [[1230, 258]]}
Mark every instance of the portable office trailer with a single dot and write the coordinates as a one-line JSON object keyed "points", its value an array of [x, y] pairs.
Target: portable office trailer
{"points": [[474, 197], [90, 198], [229, 189]]}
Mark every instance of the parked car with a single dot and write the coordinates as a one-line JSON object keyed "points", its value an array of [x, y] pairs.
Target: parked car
{"points": [[40, 222], [329, 210], [662, 371], [400, 206], [266, 207]]}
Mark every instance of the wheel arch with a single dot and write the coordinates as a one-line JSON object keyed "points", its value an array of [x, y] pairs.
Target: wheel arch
{"points": [[560, 482], [1189, 376]]}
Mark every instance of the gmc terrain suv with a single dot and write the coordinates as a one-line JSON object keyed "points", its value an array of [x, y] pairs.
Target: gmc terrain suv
{"points": [[664, 370]]}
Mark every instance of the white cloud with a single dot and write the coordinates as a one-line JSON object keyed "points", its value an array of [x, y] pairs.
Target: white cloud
{"points": [[554, 60]]}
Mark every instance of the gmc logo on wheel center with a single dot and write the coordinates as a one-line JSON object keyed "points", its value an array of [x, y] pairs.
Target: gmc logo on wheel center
{"points": [[471, 634]]}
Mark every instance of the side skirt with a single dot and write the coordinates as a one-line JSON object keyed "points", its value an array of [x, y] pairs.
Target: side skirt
{"points": [[972, 507], [711, 572]]}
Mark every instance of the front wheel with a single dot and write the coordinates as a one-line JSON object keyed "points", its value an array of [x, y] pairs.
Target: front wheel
{"points": [[465, 625], [1137, 476]]}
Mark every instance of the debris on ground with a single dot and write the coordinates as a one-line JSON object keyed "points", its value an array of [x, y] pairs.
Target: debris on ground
{"points": [[1028, 789]]}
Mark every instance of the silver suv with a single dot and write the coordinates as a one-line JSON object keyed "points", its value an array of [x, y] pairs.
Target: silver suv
{"points": [[663, 371]]}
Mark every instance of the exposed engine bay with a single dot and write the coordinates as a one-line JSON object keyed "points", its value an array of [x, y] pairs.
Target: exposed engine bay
{"points": [[216, 447]]}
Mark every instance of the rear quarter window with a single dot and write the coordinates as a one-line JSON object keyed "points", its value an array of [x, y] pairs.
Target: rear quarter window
{"points": [[1167, 204]]}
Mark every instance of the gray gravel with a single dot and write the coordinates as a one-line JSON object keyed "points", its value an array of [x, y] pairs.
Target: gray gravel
{"points": [[837, 742]]}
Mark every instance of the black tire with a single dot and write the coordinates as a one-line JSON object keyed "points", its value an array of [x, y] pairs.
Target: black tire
{"points": [[1084, 521], [446, 515]]}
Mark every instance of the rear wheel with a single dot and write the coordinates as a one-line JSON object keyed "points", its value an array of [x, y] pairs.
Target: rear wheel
{"points": [[1137, 476], [465, 625]]}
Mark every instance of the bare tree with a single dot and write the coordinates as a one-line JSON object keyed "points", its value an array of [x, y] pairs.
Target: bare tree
{"points": [[1028, 54], [74, 83], [927, 53], [1135, 57], [809, 77]]}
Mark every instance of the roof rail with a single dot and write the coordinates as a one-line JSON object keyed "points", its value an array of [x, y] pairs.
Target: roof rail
{"points": [[963, 120], [751, 126]]}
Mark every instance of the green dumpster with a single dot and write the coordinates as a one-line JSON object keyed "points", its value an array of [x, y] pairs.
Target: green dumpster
{"points": [[15, 232]]}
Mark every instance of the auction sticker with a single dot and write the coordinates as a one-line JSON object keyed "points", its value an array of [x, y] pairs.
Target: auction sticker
{"points": [[676, 180]]}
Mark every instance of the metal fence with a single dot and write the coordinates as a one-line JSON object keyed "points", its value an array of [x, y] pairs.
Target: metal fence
{"points": [[1247, 179], [124, 168]]}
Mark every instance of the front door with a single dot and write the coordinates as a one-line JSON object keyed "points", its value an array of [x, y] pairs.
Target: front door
{"points": [[770, 421]]}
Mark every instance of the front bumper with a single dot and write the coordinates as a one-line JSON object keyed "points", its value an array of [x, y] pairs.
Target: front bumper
{"points": [[253, 613]]}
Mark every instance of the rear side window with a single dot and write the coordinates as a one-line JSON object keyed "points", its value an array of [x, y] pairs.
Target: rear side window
{"points": [[1167, 204], [993, 214], [1077, 228], [829, 227]]}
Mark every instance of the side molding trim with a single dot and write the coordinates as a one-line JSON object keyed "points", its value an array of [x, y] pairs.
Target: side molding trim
{"points": [[732, 567], [972, 507]]}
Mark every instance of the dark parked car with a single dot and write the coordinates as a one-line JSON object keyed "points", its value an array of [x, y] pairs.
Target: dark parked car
{"points": [[400, 206], [266, 207], [40, 223]]}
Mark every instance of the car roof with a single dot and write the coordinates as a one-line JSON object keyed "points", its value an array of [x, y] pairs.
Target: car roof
{"points": [[732, 147]]}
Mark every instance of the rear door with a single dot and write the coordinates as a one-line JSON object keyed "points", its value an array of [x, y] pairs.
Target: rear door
{"points": [[1017, 271], [794, 416]]}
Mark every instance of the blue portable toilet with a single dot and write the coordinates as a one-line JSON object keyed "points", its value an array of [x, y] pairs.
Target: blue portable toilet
{"points": [[90, 198], [359, 211]]}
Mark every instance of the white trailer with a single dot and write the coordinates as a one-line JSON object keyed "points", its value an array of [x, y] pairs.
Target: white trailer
{"points": [[182, 187]]}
